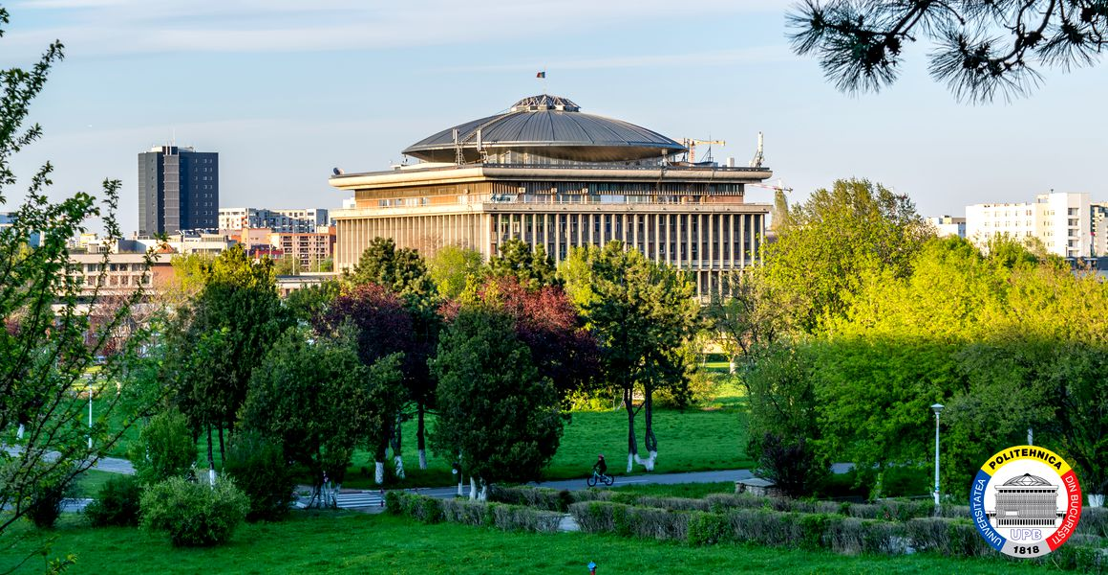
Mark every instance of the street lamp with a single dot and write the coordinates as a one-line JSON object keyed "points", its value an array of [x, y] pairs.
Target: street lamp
{"points": [[937, 408]]}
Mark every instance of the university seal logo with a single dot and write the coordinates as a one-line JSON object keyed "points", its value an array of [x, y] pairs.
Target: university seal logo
{"points": [[1025, 501]]}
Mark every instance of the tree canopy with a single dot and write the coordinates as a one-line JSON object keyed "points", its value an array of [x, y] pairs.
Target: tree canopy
{"points": [[982, 49]]}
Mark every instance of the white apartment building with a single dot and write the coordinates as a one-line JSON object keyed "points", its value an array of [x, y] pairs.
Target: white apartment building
{"points": [[297, 221], [1060, 220], [1099, 216], [949, 226]]}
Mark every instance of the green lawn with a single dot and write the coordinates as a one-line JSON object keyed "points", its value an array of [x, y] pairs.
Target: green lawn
{"points": [[356, 543], [692, 440]]}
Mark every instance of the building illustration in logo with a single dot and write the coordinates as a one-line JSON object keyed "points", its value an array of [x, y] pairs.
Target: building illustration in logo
{"points": [[1026, 501]]}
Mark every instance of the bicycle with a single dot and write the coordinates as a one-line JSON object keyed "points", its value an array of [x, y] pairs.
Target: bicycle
{"points": [[602, 478]]}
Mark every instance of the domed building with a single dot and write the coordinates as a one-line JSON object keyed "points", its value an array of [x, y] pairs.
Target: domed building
{"points": [[553, 176]]}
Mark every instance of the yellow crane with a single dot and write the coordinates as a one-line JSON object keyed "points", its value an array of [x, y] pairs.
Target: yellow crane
{"points": [[692, 143]]}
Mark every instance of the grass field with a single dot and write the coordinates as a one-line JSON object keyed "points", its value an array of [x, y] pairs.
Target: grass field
{"points": [[691, 440], [356, 543]]}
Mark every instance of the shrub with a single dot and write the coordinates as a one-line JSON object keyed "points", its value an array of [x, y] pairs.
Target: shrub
{"points": [[764, 527], [596, 516], [48, 498], [1094, 521], [466, 512], [538, 498], [956, 537], [628, 521], [194, 515], [851, 536], [259, 468], [791, 464], [1088, 559], [519, 518], [165, 448], [708, 528], [419, 507], [117, 504]]}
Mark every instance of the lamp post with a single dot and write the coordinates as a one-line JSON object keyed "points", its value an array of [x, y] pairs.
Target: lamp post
{"points": [[937, 408]]}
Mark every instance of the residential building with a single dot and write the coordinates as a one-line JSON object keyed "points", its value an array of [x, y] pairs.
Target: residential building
{"points": [[310, 250], [949, 226], [296, 221], [120, 274], [552, 176], [178, 190], [1098, 214], [7, 220], [1061, 221]]}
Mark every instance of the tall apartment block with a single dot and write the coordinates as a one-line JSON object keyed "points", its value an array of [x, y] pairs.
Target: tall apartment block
{"points": [[305, 221], [178, 190]]}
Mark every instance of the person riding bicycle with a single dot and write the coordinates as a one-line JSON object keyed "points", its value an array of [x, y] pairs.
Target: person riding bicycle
{"points": [[600, 467]]}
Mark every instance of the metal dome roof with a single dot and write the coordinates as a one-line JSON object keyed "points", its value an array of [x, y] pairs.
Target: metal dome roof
{"points": [[549, 126], [1027, 480]]}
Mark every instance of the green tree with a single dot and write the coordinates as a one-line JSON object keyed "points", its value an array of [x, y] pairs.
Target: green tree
{"points": [[750, 315], [405, 273], [497, 415], [533, 268], [315, 397], [306, 304], [48, 345], [222, 338], [641, 313], [452, 267], [166, 448], [981, 48], [837, 237]]}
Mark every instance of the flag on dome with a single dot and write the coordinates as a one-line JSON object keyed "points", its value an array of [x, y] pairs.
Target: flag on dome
{"points": [[541, 74]]}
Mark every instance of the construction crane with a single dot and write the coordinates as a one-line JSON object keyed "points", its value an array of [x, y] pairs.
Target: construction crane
{"points": [[779, 213], [691, 144], [759, 157]]}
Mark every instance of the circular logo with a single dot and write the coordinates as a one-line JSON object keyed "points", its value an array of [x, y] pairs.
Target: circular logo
{"points": [[1025, 501]]}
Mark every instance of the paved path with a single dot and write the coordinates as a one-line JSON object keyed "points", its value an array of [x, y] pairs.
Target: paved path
{"points": [[108, 464]]}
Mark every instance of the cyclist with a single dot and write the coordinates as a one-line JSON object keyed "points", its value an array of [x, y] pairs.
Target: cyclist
{"points": [[600, 467]]}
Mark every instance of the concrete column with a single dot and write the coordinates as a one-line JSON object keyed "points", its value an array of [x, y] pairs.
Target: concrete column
{"points": [[557, 239]]}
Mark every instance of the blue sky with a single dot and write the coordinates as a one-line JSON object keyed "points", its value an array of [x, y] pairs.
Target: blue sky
{"points": [[285, 90]]}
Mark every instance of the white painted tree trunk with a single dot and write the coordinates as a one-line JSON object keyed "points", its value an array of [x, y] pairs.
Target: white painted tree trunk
{"points": [[630, 462], [461, 483], [1096, 500], [472, 489], [399, 463], [484, 494], [211, 478], [19, 434], [423, 459], [647, 463], [379, 472]]}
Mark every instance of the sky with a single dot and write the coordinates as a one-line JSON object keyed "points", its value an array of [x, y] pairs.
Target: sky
{"points": [[286, 90]]}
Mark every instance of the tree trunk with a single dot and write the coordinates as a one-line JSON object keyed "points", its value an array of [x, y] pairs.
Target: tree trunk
{"points": [[398, 461], [379, 463], [420, 437], [632, 444], [651, 441], [472, 488], [222, 452], [211, 459]]}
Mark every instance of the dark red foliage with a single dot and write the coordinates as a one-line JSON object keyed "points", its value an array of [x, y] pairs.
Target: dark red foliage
{"points": [[383, 325], [546, 320]]}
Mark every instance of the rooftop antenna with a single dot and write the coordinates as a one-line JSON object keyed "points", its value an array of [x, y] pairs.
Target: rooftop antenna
{"points": [[759, 157], [459, 157]]}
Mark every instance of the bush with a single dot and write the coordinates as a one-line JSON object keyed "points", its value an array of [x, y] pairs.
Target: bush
{"points": [[708, 528], [791, 464], [519, 518], [1094, 521], [956, 537], [48, 498], [765, 527], [117, 504], [420, 507], [165, 448], [194, 515], [466, 512], [1088, 559], [538, 498], [259, 468], [628, 521]]}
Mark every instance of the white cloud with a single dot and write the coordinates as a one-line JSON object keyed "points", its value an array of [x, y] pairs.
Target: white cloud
{"points": [[99, 27]]}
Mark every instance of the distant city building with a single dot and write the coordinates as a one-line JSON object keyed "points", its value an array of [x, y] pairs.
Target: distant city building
{"points": [[1099, 217], [289, 284], [121, 274], [310, 250], [178, 190], [554, 177], [303, 221], [1060, 220], [7, 220], [949, 226]]}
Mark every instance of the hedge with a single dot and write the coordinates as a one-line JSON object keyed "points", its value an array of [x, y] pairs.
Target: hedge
{"points": [[476, 513]]}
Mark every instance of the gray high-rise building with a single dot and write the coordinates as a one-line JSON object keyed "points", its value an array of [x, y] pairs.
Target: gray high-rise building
{"points": [[178, 190]]}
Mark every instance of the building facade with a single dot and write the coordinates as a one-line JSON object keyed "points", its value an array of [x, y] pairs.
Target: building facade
{"points": [[552, 176], [1061, 221], [949, 226], [297, 221], [178, 190], [1098, 214], [310, 250]]}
